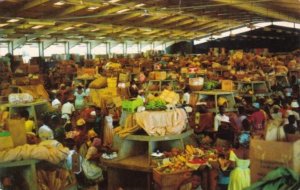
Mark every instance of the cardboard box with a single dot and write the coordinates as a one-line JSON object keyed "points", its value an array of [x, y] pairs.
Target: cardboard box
{"points": [[227, 85], [268, 155], [169, 181]]}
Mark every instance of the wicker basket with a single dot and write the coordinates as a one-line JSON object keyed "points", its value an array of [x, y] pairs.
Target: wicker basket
{"points": [[196, 87]]}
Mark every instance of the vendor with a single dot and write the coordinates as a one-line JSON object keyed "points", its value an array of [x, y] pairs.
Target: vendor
{"points": [[258, 120], [29, 124], [220, 117], [290, 128], [56, 103], [186, 96]]}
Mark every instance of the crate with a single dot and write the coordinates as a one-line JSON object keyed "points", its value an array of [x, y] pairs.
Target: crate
{"points": [[227, 85], [169, 180], [131, 106]]}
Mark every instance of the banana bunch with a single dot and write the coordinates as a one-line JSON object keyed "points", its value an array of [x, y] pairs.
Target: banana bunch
{"points": [[124, 132], [191, 150]]}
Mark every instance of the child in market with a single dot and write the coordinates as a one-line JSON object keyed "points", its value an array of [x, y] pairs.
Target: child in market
{"points": [[192, 181], [223, 172]]}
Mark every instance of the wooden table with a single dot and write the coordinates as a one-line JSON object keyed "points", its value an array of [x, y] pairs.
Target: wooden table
{"points": [[133, 167], [27, 168]]}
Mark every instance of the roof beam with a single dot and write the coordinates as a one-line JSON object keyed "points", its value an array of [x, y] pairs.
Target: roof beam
{"points": [[72, 9], [48, 43], [258, 10], [129, 16], [31, 4], [18, 42]]}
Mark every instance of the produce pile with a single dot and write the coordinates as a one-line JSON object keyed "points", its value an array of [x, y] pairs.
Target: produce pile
{"points": [[56, 179], [189, 159], [156, 104], [210, 85]]}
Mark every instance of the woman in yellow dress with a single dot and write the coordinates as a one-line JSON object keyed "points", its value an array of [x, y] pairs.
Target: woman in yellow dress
{"points": [[240, 175]]}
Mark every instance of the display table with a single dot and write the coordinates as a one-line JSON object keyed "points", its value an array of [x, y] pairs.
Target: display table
{"points": [[162, 85], [134, 156], [35, 109], [259, 88], [211, 98], [25, 167]]}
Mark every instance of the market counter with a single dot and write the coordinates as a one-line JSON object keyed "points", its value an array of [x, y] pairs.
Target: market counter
{"points": [[134, 157]]}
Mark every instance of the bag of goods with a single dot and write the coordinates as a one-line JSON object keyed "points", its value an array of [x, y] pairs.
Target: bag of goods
{"points": [[196, 84], [6, 140], [238, 56], [184, 70], [112, 82], [18, 98], [98, 83], [123, 77], [281, 69], [210, 85], [160, 75], [216, 65]]}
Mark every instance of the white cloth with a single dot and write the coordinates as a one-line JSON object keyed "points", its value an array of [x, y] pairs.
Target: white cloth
{"points": [[56, 103], [218, 119], [186, 98], [160, 123], [45, 133], [67, 108]]}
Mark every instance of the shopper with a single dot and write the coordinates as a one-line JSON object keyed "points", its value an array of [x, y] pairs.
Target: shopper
{"points": [[240, 175], [68, 109], [56, 103], [79, 98], [290, 128], [258, 120], [45, 132], [221, 116]]}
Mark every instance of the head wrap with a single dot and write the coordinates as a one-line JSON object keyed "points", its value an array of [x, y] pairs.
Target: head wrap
{"points": [[80, 122], [96, 142]]}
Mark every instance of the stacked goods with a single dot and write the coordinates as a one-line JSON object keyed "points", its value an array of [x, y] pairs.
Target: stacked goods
{"points": [[160, 75], [210, 85], [196, 84], [169, 97], [37, 91], [132, 105], [86, 72], [20, 98], [156, 104], [99, 97], [58, 179], [227, 85], [123, 77], [190, 159], [6, 140], [112, 82], [98, 83]]}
